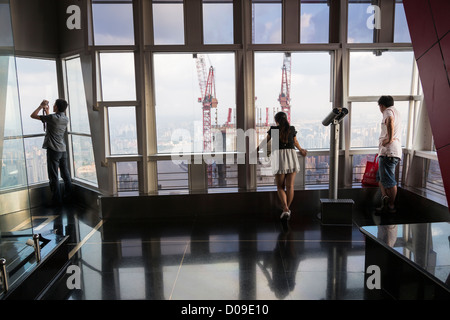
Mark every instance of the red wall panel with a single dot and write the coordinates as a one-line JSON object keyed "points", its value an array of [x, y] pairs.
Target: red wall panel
{"points": [[444, 158], [429, 26], [440, 9], [436, 94], [445, 47], [421, 25]]}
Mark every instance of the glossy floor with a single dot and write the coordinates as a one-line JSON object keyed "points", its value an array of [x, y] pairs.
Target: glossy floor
{"points": [[224, 258], [222, 255]]}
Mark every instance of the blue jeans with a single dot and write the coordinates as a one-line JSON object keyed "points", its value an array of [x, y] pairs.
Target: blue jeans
{"points": [[386, 171], [58, 160]]}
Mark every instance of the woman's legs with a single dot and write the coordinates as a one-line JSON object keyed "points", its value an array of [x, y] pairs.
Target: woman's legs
{"points": [[280, 180], [286, 196], [290, 177]]}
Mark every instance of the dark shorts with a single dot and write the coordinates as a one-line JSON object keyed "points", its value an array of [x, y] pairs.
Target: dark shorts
{"points": [[386, 171]]}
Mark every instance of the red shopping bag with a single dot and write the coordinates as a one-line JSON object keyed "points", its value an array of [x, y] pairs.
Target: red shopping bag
{"points": [[370, 174]]}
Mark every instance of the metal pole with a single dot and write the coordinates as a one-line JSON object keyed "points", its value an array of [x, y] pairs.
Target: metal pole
{"points": [[4, 274], [37, 248], [334, 159]]}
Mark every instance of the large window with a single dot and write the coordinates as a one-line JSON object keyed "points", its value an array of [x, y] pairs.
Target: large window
{"points": [[267, 16], [83, 159], [83, 162], [309, 93], [187, 119], [365, 17], [307, 75], [168, 22], [317, 170], [218, 21], [113, 22], [76, 97], [118, 82], [122, 130], [127, 177], [366, 123], [191, 90], [433, 176], [371, 76], [37, 80], [387, 74], [118, 96], [401, 32], [361, 21], [13, 174], [314, 21], [36, 159], [172, 175]]}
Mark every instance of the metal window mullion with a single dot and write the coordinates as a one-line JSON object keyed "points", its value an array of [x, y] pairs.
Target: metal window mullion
{"points": [[65, 85], [193, 22]]}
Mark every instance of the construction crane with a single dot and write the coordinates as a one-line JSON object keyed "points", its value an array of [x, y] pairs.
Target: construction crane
{"points": [[228, 124], [208, 97], [285, 95], [267, 118], [209, 101]]}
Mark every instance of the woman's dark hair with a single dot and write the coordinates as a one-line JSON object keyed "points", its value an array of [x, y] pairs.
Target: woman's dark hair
{"points": [[386, 101], [281, 119], [61, 104]]}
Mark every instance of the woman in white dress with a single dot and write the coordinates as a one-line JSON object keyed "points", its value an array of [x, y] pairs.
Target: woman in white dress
{"points": [[285, 163]]}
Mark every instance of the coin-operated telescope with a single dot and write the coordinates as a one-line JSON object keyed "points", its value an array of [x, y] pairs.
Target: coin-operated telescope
{"points": [[335, 116], [333, 210]]}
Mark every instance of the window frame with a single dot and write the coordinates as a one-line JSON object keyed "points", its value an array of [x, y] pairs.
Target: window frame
{"points": [[71, 133]]}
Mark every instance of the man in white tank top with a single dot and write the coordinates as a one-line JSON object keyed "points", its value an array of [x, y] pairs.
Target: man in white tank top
{"points": [[389, 152]]}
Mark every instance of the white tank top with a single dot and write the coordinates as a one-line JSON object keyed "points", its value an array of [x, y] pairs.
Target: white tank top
{"points": [[394, 149]]}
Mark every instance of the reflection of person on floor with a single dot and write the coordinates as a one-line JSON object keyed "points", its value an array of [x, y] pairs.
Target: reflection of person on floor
{"points": [[284, 264], [388, 234]]}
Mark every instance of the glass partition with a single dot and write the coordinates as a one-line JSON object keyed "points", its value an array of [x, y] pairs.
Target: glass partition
{"points": [[15, 217], [83, 162], [32, 90]]}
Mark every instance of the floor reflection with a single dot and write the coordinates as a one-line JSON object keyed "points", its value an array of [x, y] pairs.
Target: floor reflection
{"points": [[227, 258], [427, 245]]}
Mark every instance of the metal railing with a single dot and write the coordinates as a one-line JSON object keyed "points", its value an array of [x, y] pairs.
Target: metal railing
{"points": [[127, 182]]}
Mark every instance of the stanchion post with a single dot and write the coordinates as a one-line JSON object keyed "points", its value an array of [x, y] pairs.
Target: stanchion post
{"points": [[37, 247], [4, 274]]}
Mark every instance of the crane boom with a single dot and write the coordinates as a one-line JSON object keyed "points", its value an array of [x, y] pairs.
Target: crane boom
{"points": [[201, 73], [228, 123], [285, 94], [208, 97]]}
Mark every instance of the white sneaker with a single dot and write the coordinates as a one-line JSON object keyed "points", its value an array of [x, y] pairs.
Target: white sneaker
{"points": [[286, 214]]}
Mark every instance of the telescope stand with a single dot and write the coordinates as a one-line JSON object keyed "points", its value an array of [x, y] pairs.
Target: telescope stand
{"points": [[335, 211]]}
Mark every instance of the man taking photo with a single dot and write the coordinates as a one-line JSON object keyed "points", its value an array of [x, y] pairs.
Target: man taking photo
{"points": [[56, 126]]}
